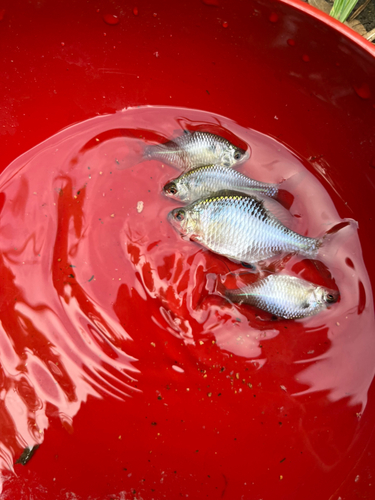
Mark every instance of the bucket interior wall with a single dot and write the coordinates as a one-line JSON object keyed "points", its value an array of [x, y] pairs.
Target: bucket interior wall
{"points": [[270, 66]]}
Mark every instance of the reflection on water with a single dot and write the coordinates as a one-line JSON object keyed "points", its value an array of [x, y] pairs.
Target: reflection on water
{"points": [[90, 284]]}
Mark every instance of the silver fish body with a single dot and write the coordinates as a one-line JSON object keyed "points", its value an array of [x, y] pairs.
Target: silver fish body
{"points": [[284, 296], [240, 227], [194, 149], [204, 181]]}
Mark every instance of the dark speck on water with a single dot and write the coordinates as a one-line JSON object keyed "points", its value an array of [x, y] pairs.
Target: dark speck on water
{"points": [[27, 454]]}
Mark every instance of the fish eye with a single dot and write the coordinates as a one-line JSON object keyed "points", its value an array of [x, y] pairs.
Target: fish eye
{"points": [[179, 215], [330, 297], [237, 156], [170, 188]]}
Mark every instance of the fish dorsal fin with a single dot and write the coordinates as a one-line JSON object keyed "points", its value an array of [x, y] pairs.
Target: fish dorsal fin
{"points": [[278, 211]]}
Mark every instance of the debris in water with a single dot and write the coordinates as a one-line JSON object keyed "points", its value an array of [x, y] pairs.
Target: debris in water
{"points": [[27, 454], [140, 205]]}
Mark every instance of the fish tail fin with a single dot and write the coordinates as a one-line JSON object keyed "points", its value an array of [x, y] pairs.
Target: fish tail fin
{"points": [[334, 238], [353, 224], [135, 154], [278, 211]]}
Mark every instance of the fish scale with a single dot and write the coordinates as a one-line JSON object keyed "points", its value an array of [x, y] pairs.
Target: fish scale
{"points": [[209, 179], [194, 149], [282, 295], [240, 227]]}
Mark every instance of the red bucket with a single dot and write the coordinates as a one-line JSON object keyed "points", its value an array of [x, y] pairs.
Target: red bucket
{"points": [[120, 375]]}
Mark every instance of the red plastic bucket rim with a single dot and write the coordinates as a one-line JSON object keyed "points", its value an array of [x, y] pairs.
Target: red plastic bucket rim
{"points": [[333, 23]]}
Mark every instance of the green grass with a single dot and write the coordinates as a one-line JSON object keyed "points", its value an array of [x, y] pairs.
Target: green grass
{"points": [[342, 9]]}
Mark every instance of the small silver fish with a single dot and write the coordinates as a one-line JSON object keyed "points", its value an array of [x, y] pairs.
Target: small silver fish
{"points": [[194, 149], [204, 181], [240, 227], [282, 295]]}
